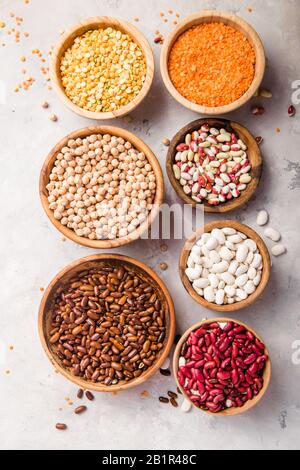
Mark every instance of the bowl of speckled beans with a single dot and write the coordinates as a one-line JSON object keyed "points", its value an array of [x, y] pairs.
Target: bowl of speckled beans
{"points": [[102, 68], [213, 62]]}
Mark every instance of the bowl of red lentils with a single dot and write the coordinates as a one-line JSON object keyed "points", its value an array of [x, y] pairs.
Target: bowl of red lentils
{"points": [[101, 187], [102, 68], [213, 62]]}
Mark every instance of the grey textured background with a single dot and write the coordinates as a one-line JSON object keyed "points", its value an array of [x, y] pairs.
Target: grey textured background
{"points": [[32, 252]]}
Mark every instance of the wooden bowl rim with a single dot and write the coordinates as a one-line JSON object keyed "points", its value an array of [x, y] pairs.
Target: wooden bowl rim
{"points": [[140, 145], [253, 153], [234, 21], [263, 251], [93, 23], [171, 319], [230, 411]]}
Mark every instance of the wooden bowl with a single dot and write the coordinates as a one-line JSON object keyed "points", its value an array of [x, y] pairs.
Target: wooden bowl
{"points": [[79, 29], [230, 411], [138, 144], [254, 156], [265, 272], [208, 16], [86, 263]]}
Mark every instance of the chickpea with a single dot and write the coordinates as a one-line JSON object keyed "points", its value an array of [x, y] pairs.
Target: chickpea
{"points": [[101, 181]]}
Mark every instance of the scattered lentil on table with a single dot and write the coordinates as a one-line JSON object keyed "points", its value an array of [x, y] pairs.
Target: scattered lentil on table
{"points": [[103, 70], [212, 64]]}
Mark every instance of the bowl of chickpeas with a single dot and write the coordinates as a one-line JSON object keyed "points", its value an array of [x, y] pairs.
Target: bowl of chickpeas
{"points": [[101, 187], [102, 68]]}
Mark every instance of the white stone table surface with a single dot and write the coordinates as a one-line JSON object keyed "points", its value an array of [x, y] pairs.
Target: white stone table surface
{"points": [[32, 396]]}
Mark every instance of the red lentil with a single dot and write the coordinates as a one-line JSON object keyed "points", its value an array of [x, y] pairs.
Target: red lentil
{"points": [[212, 64]]}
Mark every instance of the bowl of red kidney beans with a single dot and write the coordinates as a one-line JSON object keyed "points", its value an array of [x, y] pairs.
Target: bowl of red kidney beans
{"points": [[222, 366]]}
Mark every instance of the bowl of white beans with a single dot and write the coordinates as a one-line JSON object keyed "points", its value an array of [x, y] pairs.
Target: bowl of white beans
{"points": [[101, 187], [225, 266]]}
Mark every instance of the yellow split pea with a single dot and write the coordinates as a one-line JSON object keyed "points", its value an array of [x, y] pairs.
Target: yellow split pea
{"points": [[103, 70]]}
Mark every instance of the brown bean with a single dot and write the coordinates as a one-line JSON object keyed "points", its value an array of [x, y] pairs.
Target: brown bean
{"points": [[89, 396], [80, 393], [80, 409], [164, 400], [108, 323], [61, 426]]}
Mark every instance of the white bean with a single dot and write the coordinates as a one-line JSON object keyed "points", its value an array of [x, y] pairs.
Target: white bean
{"points": [[219, 235], [196, 250], [249, 287], [220, 267], [273, 234], [209, 294], [241, 294], [252, 273], [228, 278], [231, 246], [262, 218], [186, 406], [214, 281], [181, 361], [201, 283], [233, 267], [229, 231], [257, 279], [256, 260], [230, 291], [250, 257], [242, 253], [278, 250], [226, 254], [235, 239], [241, 280], [242, 269], [251, 244], [193, 274], [220, 297], [214, 256], [190, 263]]}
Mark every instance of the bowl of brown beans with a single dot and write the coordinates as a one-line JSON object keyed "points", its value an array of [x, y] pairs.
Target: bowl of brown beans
{"points": [[101, 187], [102, 68], [222, 367], [107, 322], [213, 62]]}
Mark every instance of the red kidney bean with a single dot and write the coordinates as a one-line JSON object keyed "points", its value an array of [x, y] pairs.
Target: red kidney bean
{"points": [[210, 365], [224, 375], [260, 345], [199, 376], [250, 359], [228, 327], [190, 364], [221, 364], [225, 363]]}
